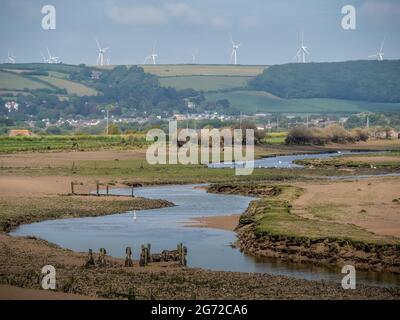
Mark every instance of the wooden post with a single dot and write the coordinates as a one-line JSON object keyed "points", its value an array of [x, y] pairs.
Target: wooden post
{"points": [[89, 259], [128, 260], [102, 257], [132, 191], [72, 188], [142, 261], [149, 252], [184, 252], [107, 188], [98, 188]]}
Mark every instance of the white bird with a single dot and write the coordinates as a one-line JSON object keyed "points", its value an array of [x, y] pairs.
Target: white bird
{"points": [[380, 54], [101, 60], [302, 52], [134, 215]]}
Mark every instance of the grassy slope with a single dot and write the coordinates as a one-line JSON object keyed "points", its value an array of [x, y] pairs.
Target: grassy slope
{"points": [[70, 86], [256, 101], [203, 70], [14, 81], [205, 83]]}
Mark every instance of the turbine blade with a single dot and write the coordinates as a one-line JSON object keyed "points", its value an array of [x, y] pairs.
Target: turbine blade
{"points": [[154, 46], [98, 44], [383, 43]]}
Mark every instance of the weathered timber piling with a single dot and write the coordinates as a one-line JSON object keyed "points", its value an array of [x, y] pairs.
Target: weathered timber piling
{"points": [[182, 252], [179, 255], [128, 259], [98, 188], [149, 258], [72, 188], [101, 261], [89, 259], [143, 258]]}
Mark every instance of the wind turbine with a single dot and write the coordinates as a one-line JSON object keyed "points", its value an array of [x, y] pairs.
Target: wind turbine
{"points": [[380, 54], [235, 48], [10, 58], [52, 59], [302, 52], [45, 60], [102, 52], [194, 55], [152, 57]]}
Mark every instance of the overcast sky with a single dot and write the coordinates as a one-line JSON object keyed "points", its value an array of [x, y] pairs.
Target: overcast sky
{"points": [[269, 30]]}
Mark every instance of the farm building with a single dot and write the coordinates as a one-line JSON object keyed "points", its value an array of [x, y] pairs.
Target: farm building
{"points": [[20, 133]]}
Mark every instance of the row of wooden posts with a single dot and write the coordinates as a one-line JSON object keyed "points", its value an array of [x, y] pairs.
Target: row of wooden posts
{"points": [[98, 184], [146, 257]]}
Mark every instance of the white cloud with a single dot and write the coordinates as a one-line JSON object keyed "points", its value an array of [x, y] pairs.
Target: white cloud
{"points": [[149, 15], [138, 15], [185, 13], [380, 9], [249, 22], [219, 22]]}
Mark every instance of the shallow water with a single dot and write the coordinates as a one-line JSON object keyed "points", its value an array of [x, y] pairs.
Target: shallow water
{"points": [[164, 228], [287, 161]]}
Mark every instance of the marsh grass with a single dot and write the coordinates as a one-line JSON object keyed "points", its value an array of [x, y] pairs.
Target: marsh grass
{"points": [[272, 215]]}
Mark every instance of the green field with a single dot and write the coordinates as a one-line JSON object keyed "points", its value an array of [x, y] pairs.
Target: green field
{"points": [[203, 70], [205, 83], [69, 142], [70, 86], [14, 81], [259, 101], [20, 67]]}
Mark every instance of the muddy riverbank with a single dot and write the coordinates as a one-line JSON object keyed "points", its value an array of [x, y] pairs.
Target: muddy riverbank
{"points": [[114, 281], [269, 228]]}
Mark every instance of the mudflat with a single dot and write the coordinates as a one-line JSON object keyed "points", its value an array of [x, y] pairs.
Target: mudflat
{"points": [[372, 204]]}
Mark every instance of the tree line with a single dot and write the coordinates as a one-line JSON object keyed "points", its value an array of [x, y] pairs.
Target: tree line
{"points": [[377, 81]]}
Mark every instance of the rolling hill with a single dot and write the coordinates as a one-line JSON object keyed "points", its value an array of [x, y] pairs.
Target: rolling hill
{"points": [[311, 88], [375, 81], [24, 77], [260, 102]]}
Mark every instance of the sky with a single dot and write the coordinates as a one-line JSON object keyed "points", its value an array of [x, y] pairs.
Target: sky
{"points": [[269, 30]]}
